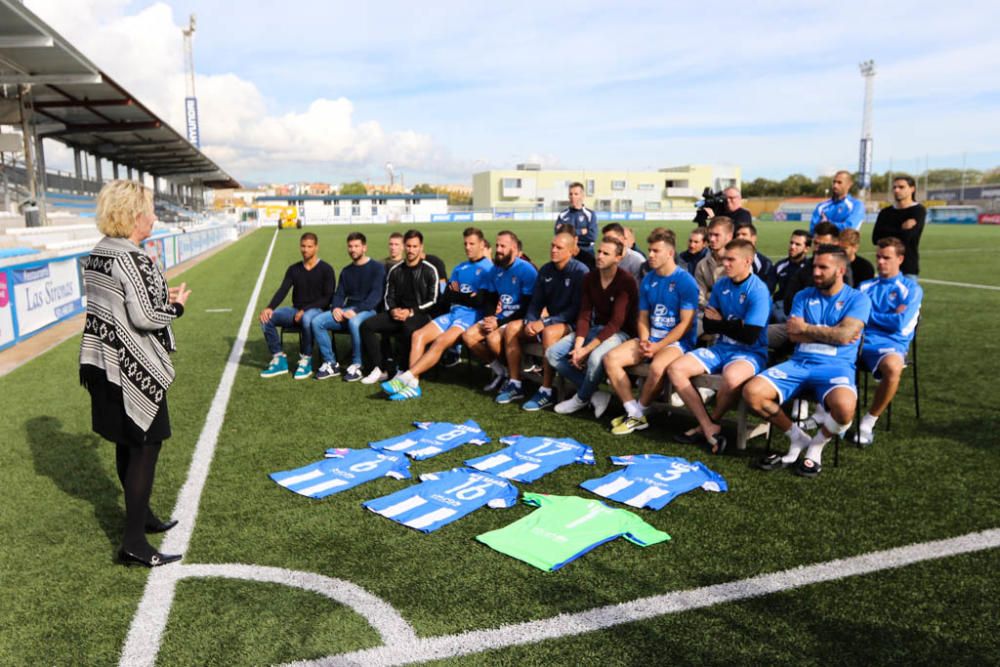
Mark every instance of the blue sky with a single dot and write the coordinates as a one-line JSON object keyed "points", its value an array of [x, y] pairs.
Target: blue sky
{"points": [[332, 90]]}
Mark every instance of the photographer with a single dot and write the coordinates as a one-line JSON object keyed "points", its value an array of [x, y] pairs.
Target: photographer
{"points": [[729, 203]]}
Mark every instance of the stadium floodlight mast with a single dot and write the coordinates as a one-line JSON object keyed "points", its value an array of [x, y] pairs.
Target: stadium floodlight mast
{"points": [[190, 101], [391, 173], [865, 155]]}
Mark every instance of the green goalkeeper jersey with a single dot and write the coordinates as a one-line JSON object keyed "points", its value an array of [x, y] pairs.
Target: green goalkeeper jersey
{"points": [[566, 527]]}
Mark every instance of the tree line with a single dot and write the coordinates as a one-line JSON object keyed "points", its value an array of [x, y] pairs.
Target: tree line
{"points": [[800, 185]]}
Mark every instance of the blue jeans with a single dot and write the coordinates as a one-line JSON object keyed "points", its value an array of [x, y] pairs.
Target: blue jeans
{"points": [[324, 322], [592, 375], [285, 317], [778, 312]]}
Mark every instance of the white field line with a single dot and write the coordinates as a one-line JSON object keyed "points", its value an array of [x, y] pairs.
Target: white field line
{"points": [[954, 284], [564, 625], [144, 635]]}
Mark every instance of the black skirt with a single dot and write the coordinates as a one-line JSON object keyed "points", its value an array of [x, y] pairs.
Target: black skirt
{"points": [[107, 412]]}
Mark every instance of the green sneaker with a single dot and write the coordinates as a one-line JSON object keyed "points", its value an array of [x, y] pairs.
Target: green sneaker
{"points": [[619, 420], [278, 366], [630, 425], [304, 369]]}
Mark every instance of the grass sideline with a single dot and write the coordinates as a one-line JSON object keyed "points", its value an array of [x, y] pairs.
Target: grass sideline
{"points": [[60, 509]]}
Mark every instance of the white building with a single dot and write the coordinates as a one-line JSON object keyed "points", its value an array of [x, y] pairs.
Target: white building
{"points": [[348, 209]]}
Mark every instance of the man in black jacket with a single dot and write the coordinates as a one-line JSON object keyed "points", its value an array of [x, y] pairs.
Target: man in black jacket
{"points": [[903, 220], [411, 292]]}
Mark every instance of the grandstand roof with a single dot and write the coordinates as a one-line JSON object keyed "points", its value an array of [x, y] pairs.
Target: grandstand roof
{"points": [[79, 105]]}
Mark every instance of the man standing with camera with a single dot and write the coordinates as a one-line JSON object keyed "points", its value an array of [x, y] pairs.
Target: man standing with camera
{"points": [[729, 203]]}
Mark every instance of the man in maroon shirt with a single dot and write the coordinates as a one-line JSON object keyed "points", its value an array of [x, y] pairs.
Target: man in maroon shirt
{"points": [[609, 309]]}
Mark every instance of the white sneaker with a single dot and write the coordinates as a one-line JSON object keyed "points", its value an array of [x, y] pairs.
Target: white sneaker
{"points": [[570, 405], [706, 394], [375, 376], [676, 401], [600, 400], [816, 420], [496, 382]]}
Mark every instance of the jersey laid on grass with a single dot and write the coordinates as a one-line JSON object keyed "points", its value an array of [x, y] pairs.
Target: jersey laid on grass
{"points": [[829, 310], [527, 459], [443, 497], [566, 527], [432, 438], [749, 301], [342, 470], [664, 297], [652, 480], [514, 284]]}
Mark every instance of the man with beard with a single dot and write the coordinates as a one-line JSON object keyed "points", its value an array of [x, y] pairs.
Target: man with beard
{"points": [[507, 295], [785, 269], [826, 322], [903, 220], [555, 303], [355, 300], [464, 294]]}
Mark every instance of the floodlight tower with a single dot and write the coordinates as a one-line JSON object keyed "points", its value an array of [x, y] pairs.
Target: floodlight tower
{"points": [[391, 172], [190, 102], [865, 157]]}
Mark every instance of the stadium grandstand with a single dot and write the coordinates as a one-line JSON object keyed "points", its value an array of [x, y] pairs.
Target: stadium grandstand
{"points": [[51, 91]]}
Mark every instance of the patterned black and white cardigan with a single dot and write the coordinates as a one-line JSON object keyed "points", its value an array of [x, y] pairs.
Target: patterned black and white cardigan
{"points": [[127, 333]]}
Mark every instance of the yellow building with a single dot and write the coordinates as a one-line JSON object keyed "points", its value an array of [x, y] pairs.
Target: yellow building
{"points": [[530, 188]]}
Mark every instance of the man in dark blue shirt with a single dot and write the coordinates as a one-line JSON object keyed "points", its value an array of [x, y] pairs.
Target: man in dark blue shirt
{"points": [[355, 300], [312, 282], [583, 221], [557, 292]]}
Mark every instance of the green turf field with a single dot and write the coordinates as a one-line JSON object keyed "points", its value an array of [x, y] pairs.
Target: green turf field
{"points": [[65, 603]]}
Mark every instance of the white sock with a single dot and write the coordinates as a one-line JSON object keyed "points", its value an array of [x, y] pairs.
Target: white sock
{"points": [[516, 384], [545, 390], [820, 413], [633, 409], [798, 440], [497, 367], [868, 422], [408, 379], [815, 451]]}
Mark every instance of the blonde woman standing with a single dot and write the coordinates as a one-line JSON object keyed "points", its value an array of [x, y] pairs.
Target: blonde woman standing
{"points": [[124, 355]]}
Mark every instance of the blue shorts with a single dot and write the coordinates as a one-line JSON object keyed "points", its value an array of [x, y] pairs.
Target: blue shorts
{"points": [[792, 377], [720, 355], [872, 356], [462, 318]]}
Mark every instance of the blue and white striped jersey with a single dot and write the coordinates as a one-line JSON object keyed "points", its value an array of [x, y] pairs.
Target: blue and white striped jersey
{"points": [[342, 470], [527, 459], [653, 480], [443, 497], [432, 438]]}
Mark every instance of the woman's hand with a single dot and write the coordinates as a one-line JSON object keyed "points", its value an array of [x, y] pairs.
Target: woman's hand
{"points": [[179, 294]]}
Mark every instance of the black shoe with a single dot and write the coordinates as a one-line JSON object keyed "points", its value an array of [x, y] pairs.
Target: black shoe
{"points": [[160, 526], [129, 559], [696, 438], [771, 462]]}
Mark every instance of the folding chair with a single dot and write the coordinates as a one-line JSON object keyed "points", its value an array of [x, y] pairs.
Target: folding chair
{"points": [[911, 361]]}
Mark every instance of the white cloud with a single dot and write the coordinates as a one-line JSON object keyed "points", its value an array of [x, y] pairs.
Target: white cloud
{"points": [[143, 51]]}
